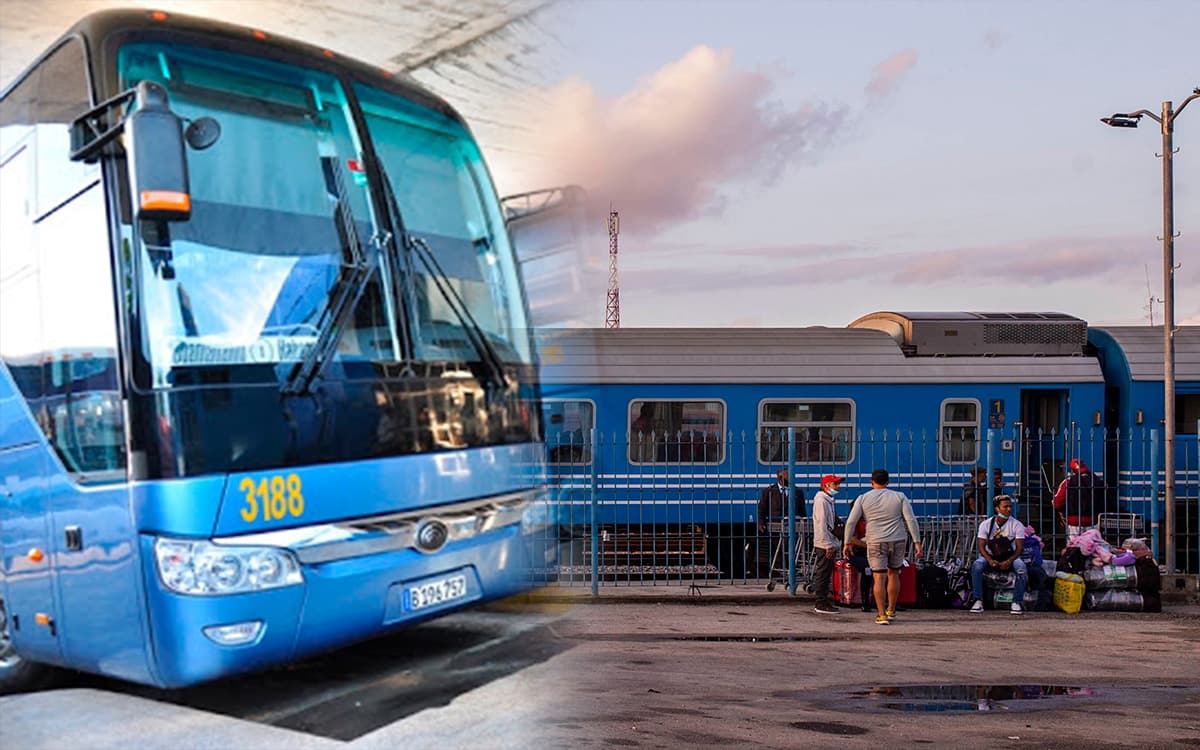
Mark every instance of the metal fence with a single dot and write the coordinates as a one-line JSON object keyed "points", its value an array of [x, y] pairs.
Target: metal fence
{"points": [[686, 511]]}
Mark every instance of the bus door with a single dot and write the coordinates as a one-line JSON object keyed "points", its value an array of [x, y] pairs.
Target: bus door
{"points": [[28, 560], [1043, 446]]}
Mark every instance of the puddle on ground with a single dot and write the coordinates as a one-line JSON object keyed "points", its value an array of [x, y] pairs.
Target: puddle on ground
{"points": [[937, 698], [755, 638], [990, 697]]}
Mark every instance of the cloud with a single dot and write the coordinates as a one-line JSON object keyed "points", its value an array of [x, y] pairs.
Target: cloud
{"points": [[888, 74], [1042, 262], [665, 149]]}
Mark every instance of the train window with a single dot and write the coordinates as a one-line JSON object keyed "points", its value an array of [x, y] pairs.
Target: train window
{"points": [[959, 432], [1187, 413], [569, 427], [824, 431], [684, 432]]}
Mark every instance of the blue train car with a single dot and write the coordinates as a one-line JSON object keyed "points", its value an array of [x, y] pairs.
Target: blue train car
{"points": [[1132, 360], [690, 424]]}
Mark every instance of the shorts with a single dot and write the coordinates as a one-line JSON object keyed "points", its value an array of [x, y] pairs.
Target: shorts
{"points": [[884, 555]]}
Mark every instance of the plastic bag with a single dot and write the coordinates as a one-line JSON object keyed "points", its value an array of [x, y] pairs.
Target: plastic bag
{"points": [[1068, 592]]}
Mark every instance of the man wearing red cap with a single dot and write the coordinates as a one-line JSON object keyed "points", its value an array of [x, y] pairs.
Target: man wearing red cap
{"points": [[1079, 497], [825, 541]]}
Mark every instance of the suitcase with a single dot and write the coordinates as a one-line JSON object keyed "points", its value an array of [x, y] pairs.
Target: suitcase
{"points": [[908, 583], [846, 583], [1149, 580]]}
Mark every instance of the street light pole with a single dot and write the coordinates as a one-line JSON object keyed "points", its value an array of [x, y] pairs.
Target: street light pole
{"points": [[1168, 126], [1167, 122]]}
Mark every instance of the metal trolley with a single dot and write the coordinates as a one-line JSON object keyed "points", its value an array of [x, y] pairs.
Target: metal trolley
{"points": [[805, 554]]}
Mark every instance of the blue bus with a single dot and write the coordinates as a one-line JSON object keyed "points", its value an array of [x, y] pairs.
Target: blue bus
{"points": [[268, 385]]}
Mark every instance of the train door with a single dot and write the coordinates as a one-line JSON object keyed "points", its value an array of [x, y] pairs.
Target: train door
{"points": [[1043, 447]]}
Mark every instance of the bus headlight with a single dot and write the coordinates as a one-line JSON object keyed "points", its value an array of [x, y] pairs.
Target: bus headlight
{"points": [[209, 569]]}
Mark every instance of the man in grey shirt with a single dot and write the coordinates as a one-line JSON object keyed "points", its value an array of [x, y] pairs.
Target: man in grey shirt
{"points": [[887, 514]]}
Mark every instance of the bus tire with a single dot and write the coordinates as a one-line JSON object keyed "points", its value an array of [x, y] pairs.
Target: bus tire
{"points": [[17, 674]]}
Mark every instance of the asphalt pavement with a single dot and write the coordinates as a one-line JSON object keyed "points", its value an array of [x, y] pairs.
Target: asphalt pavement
{"points": [[726, 666]]}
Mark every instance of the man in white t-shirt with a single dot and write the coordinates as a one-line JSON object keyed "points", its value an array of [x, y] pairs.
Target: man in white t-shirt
{"points": [[1001, 538]]}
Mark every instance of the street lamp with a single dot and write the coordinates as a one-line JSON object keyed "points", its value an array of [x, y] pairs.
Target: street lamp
{"points": [[1167, 122]]}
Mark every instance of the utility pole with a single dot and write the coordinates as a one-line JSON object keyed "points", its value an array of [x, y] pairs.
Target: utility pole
{"points": [[612, 312], [1167, 123]]}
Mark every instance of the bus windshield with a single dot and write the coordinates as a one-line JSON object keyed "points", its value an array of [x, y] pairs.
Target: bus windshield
{"points": [[447, 200], [282, 220]]}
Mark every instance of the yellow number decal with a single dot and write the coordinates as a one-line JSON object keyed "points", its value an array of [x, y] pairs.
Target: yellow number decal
{"points": [[278, 496], [295, 498], [278, 503], [266, 500], [250, 512]]}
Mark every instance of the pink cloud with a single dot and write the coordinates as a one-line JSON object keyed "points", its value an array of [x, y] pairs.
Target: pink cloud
{"points": [[664, 150], [888, 74], [1036, 262]]}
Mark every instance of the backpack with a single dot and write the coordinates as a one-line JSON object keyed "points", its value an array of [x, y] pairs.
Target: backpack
{"points": [[933, 588], [1072, 561], [999, 547]]}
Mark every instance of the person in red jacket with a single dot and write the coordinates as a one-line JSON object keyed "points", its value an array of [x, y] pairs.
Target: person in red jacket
{"points": [[1079, 497]]}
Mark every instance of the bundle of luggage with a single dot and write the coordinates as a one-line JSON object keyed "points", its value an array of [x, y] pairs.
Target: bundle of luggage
{"points": [[849, 587], [1092, 575]]}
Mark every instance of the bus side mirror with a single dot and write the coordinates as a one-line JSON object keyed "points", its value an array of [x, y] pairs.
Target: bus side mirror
{"points": [[156, 156]]}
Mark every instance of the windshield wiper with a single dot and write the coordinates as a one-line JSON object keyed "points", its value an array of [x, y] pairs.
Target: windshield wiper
{"points": [[495, 373], [356, 271]]}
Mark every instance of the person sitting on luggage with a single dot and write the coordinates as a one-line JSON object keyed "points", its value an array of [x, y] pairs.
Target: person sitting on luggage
{"points": [[858, 559], [1080, 497], [826, 541], [1000, 539]]}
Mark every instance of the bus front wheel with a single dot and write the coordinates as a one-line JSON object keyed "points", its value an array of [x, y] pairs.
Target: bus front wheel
{"points": [[17, 674]]}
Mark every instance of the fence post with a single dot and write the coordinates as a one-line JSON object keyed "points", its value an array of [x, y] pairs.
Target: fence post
{"points": [[791, 514], [595, 529], [1154, 514], [991, 485]]}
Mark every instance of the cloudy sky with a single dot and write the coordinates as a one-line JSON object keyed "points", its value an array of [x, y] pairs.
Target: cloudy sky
{"points": [[801, 163]]}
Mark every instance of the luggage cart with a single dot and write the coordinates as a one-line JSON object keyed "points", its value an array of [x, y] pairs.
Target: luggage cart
{"points": [[1117, 527], [805, 555]]}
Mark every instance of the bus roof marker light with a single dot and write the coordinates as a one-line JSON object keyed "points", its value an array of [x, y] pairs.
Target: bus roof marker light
{"points": [[157, 15], [328, 53], [259, 35]]}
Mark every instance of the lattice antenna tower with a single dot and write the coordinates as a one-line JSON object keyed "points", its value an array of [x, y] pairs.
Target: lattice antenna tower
{"points": [[1150, 296], [612, 312]]}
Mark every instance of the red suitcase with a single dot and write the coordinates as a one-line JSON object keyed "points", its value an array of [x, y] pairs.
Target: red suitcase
{"points": [[845, 583], [908, 583]]}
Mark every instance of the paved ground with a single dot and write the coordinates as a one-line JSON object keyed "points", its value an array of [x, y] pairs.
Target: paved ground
{"points": [[733, 668]]}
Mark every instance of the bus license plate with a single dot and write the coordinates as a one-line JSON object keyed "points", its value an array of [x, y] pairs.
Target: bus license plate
{"points": [[432, 593]]}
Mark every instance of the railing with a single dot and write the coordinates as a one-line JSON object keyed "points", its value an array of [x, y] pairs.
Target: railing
{"points": [[684, 509]]}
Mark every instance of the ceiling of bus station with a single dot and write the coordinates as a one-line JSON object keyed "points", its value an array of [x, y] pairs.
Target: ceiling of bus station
{"points": [[486, 57]]}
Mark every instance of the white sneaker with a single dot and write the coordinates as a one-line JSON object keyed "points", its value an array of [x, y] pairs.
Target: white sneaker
{"points": [[977, 607], [1017, 609]]}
